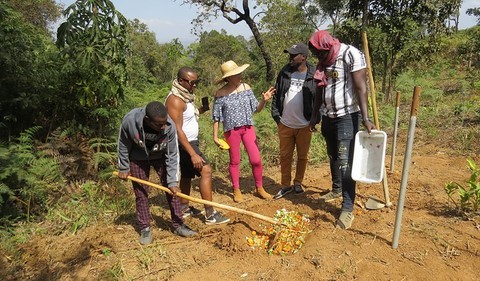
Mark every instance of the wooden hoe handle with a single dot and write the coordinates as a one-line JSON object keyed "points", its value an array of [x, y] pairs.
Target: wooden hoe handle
{"points": [[205, 202]]}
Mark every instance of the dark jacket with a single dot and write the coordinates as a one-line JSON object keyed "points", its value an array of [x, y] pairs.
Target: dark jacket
{"points": [[283, 83], [131, 145]]}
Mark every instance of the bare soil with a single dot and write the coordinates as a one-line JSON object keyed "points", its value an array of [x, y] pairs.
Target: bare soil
{"points": [[434, 243]]}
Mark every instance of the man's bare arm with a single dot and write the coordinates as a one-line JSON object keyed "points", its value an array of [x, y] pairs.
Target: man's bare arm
{"points": [[360, 87]]}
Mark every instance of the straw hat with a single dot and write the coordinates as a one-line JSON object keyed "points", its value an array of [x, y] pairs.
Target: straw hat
{"points": [[230, 68]]}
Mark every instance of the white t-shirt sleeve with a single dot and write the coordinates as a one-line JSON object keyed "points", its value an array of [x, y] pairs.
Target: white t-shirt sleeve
{"points": [[356, 60]]}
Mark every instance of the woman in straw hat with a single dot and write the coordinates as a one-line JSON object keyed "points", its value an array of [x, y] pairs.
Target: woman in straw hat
{"points": [[234, 106]]}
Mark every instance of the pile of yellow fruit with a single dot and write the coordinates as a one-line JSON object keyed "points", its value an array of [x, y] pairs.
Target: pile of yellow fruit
{"points": [[287, 237]]}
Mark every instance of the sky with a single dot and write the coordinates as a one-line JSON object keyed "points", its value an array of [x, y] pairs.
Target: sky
{"points": [[169, 19]]}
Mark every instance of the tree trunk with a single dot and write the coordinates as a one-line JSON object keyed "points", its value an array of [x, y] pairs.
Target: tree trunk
{"points": [[365, 15], [390, 86], [390, 79], [385, 74], [245, 16], [266, 56], [101, 136]]}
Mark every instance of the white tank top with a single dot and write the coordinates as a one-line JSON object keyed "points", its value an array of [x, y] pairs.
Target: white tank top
{"points": [[190, 122]]}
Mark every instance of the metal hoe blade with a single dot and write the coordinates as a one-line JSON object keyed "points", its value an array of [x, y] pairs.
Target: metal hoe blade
{"points": [[374, 203]]}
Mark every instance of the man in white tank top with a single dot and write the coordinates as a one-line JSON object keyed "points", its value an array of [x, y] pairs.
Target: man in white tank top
{"points": [[181, 108]]}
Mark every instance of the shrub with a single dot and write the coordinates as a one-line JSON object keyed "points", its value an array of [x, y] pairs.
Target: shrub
{"points": [[27, 175]]}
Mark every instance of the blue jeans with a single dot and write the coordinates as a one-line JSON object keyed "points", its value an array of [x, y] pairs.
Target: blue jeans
{"points": [[339, 134]]}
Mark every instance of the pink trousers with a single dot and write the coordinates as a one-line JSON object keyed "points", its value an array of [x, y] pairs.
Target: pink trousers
{"points": [[234, 137]]}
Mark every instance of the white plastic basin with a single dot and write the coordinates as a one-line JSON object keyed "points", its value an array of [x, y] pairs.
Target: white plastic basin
{"points": [[369, 156]]}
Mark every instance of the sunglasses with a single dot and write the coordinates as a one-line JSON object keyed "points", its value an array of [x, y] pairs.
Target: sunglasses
{"points": [[192, 83]]}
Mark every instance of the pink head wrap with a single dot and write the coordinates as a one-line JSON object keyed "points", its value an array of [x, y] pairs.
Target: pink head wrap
{"points": [[322, 40]]}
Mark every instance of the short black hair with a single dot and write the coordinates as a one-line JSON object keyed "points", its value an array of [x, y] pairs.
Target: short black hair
{"points": [[155, 109], [182, 72]]}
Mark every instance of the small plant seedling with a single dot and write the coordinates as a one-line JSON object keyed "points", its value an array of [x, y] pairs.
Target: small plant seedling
{"points": [[106, 251], [468, 193]]}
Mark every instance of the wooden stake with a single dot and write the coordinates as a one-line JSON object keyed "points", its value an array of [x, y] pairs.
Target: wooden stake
{"points": [[386, 192]]}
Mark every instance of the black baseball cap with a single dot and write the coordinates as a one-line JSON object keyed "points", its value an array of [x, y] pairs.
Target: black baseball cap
{"points": [[299, 48]]}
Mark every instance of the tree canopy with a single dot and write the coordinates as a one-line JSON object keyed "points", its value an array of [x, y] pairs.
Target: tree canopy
{"points": [[28, 73], [235, 15], [474, 12], [93, 42]]}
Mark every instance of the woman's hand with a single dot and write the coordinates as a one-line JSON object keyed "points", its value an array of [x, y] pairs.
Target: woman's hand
{"points": [[215, 140], [268, 94]]}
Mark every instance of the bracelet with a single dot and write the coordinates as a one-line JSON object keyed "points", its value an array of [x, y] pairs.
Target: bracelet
{"points": [[367, 119]]}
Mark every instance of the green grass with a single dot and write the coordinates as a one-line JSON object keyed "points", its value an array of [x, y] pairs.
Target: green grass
{"points": [[91, 203]]}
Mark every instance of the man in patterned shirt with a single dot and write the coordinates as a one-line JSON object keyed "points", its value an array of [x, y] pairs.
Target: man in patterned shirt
{"points": [[343, 102]]}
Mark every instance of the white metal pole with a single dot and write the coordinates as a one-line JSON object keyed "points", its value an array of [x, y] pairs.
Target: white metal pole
{"points": [[406, 166]]}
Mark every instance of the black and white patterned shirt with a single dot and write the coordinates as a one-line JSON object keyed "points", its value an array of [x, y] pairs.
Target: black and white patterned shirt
{"points": [[339, 97]]}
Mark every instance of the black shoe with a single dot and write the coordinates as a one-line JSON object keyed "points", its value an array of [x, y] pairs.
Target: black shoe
{"points": [[191, 211], [216, 218], [284, 191], [298, 188]]}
